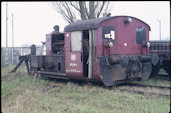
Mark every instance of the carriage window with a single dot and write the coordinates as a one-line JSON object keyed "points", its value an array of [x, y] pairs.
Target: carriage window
{"points": [[140, 35], [108, 32], [76, 39], [158, 47], [161, 47], [165, 47]]}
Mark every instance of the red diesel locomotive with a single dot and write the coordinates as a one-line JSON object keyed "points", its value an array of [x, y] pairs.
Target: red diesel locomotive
{"points": [[109, 49]]}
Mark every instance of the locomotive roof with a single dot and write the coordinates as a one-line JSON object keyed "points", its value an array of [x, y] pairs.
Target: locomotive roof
{"points": [[92, 23]]}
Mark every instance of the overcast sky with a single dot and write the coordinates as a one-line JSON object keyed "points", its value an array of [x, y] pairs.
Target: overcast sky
{"points": [[33, 20]]}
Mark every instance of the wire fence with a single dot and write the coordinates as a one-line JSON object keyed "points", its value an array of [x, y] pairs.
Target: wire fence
{"points": [[10, 55]]}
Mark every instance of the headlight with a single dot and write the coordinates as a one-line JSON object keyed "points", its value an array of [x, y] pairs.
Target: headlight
{"points": [[110, 44], [148, 44]]}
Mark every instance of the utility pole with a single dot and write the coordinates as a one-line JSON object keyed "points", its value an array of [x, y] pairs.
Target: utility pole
{"points": [[159, 27], [6, 25], [6, 50], [12, 40]]}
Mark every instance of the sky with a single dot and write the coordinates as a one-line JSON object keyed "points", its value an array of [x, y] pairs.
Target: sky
{"points": [[33, 20]]}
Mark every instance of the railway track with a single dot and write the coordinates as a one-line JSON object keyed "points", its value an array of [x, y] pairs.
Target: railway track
{"points": [[151, 86], [135, 88], [145, 89], [131, 87], [163, 77]]}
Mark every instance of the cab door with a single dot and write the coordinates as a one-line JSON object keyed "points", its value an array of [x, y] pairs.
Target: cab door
{"points": [[74, 61]]}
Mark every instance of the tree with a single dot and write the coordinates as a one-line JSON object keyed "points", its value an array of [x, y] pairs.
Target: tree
{"points": [[85, 9]]}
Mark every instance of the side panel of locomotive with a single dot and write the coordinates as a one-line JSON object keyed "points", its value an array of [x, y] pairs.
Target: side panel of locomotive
{"points": [[73, 52]]}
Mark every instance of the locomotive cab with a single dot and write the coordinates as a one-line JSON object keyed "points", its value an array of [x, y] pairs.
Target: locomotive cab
{"points": [[110, 49]]}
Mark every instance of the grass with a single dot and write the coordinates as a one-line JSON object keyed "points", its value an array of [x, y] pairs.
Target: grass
{"points": [[163, 72], [22, 93]]}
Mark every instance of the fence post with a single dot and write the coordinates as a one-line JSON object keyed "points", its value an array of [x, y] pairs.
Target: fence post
{"points": [[6, 56]]}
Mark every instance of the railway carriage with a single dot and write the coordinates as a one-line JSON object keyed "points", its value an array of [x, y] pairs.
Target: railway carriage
{"points": [[109, 49], [162, 49]]}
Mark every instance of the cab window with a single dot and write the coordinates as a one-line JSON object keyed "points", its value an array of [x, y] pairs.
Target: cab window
{"points": [[76, 39], [140, 35], [108, 33]]}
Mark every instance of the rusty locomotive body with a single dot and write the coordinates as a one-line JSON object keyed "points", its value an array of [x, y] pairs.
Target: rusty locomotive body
{"points": [[162, 49], [109, 49]]}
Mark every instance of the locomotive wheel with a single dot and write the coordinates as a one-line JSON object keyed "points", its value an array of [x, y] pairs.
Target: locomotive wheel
{"points": [[146, 71]]}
